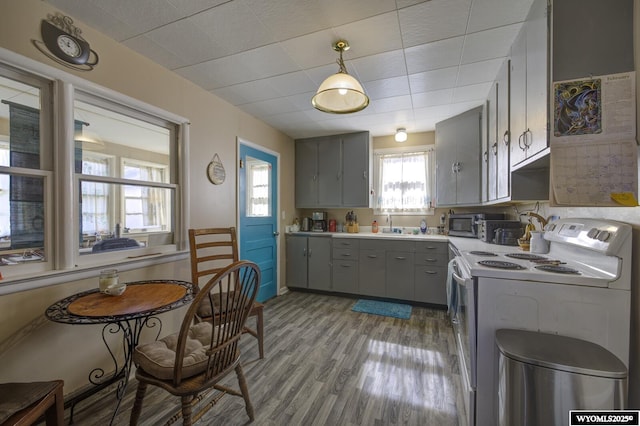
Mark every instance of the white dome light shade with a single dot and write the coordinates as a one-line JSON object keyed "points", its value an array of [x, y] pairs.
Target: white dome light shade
{"points": [[340, 93], [401, 135]]}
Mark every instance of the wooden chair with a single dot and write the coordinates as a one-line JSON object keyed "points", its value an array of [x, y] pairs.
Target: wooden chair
{"points": [[22, 404], [202, 353], [211, 250]]}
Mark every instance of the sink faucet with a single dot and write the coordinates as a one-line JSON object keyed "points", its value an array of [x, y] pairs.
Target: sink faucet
{"points": [[390, 222]]}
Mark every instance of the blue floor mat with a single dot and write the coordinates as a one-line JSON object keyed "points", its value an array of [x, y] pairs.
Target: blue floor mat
{"points": [[387, 309]]}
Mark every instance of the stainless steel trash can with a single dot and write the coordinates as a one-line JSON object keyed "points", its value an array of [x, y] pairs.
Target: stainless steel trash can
{"points": [[543, 376]]}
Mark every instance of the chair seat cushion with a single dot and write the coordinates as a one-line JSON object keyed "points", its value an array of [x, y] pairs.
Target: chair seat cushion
{"points": [[158, 358]]}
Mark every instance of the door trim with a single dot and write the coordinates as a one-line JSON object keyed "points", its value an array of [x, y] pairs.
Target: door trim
{"points": [[241, 141]]}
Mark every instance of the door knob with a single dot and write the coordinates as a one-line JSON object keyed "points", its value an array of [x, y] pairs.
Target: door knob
{"points": [[276, 233]]}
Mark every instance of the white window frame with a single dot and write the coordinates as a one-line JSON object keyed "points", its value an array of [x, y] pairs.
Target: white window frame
{"points": [[123, 198], [430, 210], [63, 262]]}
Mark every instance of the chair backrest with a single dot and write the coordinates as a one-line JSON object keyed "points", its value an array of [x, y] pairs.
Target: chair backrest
{"points": [[231, 294], [212, 249]]}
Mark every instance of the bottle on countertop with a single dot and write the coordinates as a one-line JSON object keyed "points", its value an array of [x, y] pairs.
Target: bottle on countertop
{"points": [[374, 227], [423, 226]]}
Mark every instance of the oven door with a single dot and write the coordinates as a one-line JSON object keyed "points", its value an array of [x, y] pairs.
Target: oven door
{"points": [[465, 329]]}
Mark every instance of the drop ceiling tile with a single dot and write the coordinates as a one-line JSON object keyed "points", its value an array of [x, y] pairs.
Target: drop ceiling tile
{"points": [[487, 14], [178, 37], [96, 17], [387, 88], [143, 15], [267, 61], [218, 73], [395, 103], [230, 95], [437, 97], [254, 91], [472, 92], [428, 81], [157, 53], [433, 20], [479, 72], [292, 83], [312, 50], [228, 25], [287, 19], [383, 65], [319, 74], [340, 12], [190, 7], [302, 101], [371, 36], [494, 43], [439, 54]]}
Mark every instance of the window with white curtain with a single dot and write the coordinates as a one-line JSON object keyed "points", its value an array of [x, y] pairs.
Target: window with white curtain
{"points": [[145, 208], [404, 180], [258, 183], [95, 196]]}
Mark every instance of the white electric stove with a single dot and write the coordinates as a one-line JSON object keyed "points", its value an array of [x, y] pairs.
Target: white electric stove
{"points": [[581, 288]]}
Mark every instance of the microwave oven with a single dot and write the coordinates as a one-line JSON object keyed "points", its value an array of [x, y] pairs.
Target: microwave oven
{"points": [[466, 224]]}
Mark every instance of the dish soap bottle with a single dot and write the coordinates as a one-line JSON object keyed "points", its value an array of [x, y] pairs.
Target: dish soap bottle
{"points": [[423, 226], [374, 227]]}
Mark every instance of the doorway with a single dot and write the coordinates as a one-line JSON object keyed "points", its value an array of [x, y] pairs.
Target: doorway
{"points": [[258, 213]]}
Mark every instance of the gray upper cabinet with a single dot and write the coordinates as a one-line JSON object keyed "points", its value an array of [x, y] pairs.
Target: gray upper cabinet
{"points": [[529, 79], [458, 165], [503, 132], [333, 171]]}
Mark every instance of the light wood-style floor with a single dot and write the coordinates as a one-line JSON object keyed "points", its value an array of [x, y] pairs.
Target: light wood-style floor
{"points": [[326, 365]]}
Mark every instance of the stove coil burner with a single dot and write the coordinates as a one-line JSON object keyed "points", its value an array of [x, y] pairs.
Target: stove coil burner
{"points": [[525, 256], [559, 269], [482, 253], [500, 264]]}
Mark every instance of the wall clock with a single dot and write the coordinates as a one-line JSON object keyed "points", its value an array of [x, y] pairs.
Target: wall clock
{"points": [[62, 41]]}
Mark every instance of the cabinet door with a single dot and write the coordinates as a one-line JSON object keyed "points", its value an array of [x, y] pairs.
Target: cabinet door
{"points": [[468, 134], [355, 169], [319, 263], [445, 163], [371, 277], [329, 172], [306, 173], [296, 261], [490, 149], [518, 99], [537, 78], [503, 133], [430, 284], [400, 275], [345, 276]]}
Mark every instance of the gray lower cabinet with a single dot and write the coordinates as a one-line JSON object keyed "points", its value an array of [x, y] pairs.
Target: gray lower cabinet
{"points": [[400, 274], [372, 279], [308, 261], [345, 265], [431, 272]]}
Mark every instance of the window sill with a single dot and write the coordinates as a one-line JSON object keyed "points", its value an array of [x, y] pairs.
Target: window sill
{"points": [[379, 212], [49, 278]]}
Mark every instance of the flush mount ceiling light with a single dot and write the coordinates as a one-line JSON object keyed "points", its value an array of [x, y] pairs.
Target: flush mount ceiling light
{"points": [[340, 93], [401, 134]]}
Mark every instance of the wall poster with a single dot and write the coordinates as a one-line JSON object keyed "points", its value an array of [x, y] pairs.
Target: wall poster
{"points": [[594, 154]]}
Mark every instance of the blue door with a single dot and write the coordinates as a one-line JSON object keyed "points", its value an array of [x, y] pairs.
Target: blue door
{"points": [[258, 210]]}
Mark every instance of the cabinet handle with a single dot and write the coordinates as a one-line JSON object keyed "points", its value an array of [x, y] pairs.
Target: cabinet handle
{"points": [[345, 244], [458, 167], [304, 252], [486, 156], [453, 168], [430, 260], [528, 141], [346, 254], [364, 174], [310, 252], [505, 137], [345, 266], [372, 256], [430, 272], [494, 148], [401, 258], [431, 248]]}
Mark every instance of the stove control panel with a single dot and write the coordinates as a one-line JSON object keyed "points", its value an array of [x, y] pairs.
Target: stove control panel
{"points": [[604, 236]]}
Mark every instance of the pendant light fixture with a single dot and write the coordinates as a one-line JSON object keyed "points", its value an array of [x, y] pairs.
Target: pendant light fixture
{"points": [[401, 134], [340, 93]]}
